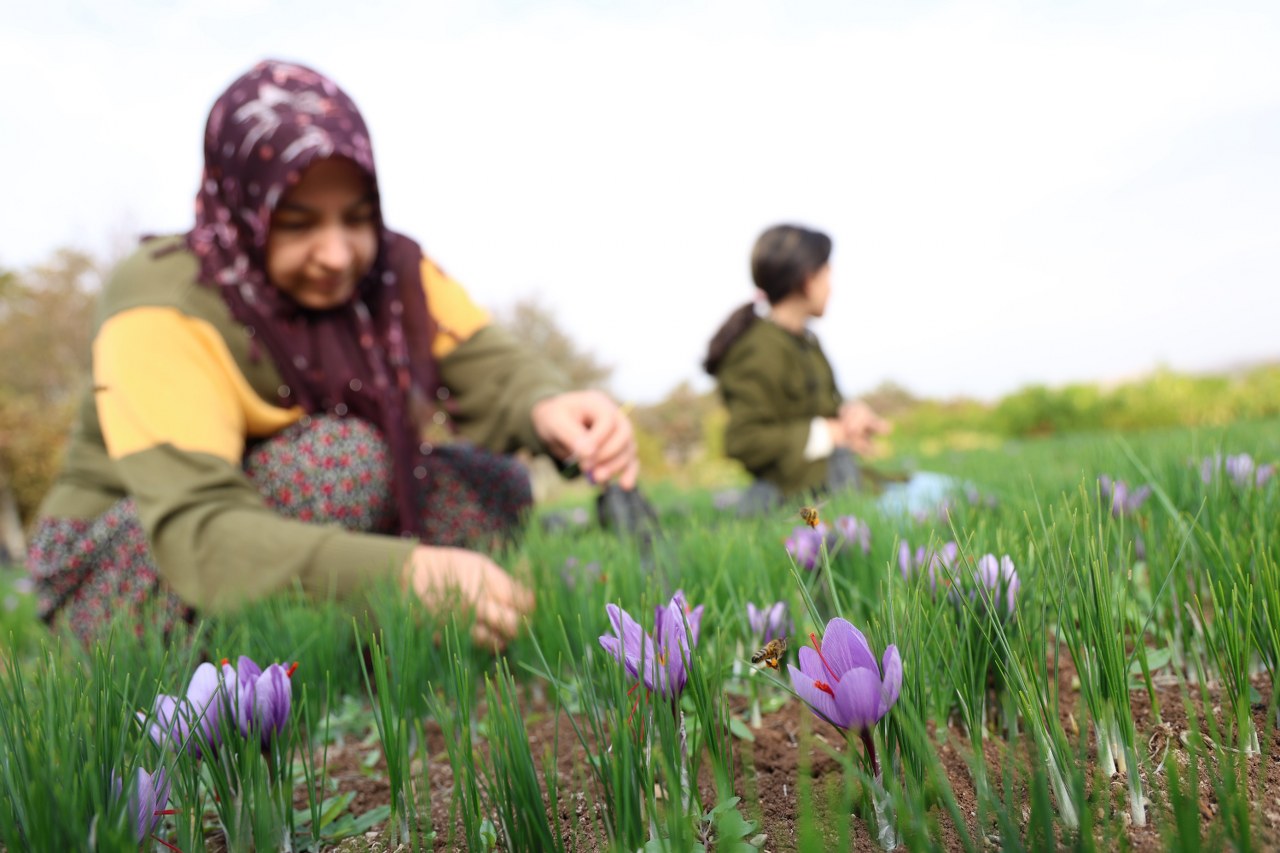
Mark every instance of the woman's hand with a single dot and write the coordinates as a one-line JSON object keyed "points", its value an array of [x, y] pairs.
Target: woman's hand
{"points": [[591, 429], [450, 577], [861, 426]]}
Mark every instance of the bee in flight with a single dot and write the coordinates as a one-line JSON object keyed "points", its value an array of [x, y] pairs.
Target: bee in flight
{"points": [[809, 514], [772, 653]]}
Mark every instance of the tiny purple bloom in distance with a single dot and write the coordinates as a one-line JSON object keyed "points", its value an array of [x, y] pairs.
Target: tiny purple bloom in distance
{"points": [[924, 558], [1120, 498], [769, 623], [805, 545], [852, 530], [1240, 468], [994, 577]]}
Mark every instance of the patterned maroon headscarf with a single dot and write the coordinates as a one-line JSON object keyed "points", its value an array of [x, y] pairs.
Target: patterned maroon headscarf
{"points": [[370, 358]]}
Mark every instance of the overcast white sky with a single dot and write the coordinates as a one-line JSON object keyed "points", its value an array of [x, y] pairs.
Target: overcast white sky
{"points": [[1018, 192]]}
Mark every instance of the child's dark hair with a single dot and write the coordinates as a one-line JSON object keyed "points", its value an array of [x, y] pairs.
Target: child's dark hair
{"points": [[785, 257]]}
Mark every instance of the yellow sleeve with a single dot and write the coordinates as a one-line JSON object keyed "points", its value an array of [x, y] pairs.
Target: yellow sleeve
{"points": [[457, 317], [161, 377]]}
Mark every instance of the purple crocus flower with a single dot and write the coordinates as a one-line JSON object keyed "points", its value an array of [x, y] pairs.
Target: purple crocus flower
{"points": [[1263, 474], [147, 801], [1240, 468], [839, 678], [976, 498], [575, 570], [993, 577], [926, 558], [805, 544], [1123, 501], [664, 655], [257, 699], [851, 530], [1244, 473], [191, 719], [769, 623]]}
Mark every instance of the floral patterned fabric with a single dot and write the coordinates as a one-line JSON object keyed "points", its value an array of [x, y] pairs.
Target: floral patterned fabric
{"points": [[322, 470]]}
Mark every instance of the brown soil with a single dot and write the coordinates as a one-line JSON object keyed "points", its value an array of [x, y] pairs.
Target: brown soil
{"points": [[767, 772]]}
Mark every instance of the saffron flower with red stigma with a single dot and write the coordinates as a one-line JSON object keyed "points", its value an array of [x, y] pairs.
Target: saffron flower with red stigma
{"points": [[839, 678], [769, 623], [805, 544], [659, 660], [257, 699], [148, 800], [191, 719]]}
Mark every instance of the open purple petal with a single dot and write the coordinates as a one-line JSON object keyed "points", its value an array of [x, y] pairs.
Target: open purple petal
{"points": [[892, 684], [812, 666], [673, 649], [777, 624], [150, 795], [239, 695], [629, 645], [845, 648], [694, 620], [822, 702], [627, 628], [170, 720], [613, 646], [904, 560], [273, 697], [202, 693], [858, 698]]}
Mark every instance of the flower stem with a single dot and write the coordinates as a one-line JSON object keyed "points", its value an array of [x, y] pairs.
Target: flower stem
{"points": [[870, 745], [882, 804]]}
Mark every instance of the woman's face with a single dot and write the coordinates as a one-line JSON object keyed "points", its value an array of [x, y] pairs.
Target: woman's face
{"points": [[323, 236]]}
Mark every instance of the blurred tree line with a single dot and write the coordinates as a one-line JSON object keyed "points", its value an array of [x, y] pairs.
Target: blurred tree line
{"points": [[1162, 399], [46, 315], [46, 320]]}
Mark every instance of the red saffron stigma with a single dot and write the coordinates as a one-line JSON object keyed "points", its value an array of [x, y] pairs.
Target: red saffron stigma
{"points": [[225, 661], [292, 670], [635, 706], [825, 688], [817, 647]]}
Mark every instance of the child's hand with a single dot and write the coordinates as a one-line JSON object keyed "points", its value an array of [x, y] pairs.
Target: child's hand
{"points": [[861, 426]]}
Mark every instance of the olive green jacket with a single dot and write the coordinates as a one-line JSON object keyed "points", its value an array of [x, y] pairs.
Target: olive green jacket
{"points": [[774, 384]]}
